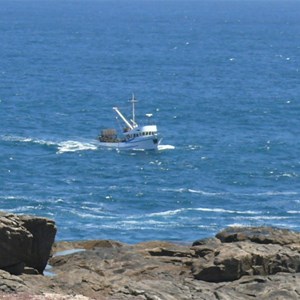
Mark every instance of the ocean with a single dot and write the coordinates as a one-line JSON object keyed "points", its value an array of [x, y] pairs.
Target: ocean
{"points": [[221, 79]]}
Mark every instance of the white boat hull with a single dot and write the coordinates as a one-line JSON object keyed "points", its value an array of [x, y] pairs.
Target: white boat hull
{"points": [[138, 143]]}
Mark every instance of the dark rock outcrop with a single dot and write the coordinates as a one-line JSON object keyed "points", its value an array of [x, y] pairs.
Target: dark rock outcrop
{"points": [[232, 261], [239, 263], [209, 269], [25, 241], [249, 251], [259, 235], [43, 233]]}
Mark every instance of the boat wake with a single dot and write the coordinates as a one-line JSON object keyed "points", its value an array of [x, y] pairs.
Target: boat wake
{"points": [[74, 146], [19, 139], [65, 146], [61, 146]]}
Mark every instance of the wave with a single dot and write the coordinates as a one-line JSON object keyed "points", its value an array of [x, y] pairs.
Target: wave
{"points": [[274, 193], [203, 209], [187, 190], [205, 193], [290, 175], [262, 217]]}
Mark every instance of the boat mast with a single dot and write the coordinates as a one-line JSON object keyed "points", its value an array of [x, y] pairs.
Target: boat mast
{"points": [[134, 124], [133, 101]]}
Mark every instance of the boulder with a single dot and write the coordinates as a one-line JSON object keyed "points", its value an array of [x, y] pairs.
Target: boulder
{"points": [[245, 268], [25, 241], [43, 232], [261, 251], [11, 283], [260, 235]]}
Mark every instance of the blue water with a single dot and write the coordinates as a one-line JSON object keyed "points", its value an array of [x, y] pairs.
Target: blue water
{"points": [[222, 80]]}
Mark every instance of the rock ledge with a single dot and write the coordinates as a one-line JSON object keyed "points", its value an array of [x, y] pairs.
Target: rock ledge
{"points": [[239, 263]]}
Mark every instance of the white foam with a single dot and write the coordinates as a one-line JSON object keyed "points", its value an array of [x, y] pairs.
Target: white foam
{"points": [[202, 209], [73, 146], [276, 193], [180, 190], [205, 193], [222, 210], [64, 146], [167, 213], [166, 147], [238, 225], [261, 217], [27, 140], [184, 190], [271, 193], [289, 175]]}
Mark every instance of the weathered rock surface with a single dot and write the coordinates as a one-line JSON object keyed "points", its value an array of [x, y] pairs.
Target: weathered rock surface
{"points": [[25, 241], [239, 263], [259, 235]]}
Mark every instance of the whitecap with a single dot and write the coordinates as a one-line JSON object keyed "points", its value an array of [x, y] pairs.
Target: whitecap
{"points": [[186, 190], [289, 175], [179, 190], [274, 193], [262, 217], [167, 213], [202, 209], [222, 210], [204, 193], [271, 193], [238, 225]]}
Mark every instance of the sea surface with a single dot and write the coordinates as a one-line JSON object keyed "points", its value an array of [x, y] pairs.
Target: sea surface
{"points": [[222, 79]]}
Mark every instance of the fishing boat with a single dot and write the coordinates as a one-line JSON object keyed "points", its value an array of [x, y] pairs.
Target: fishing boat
{"points": [[133, 135]]}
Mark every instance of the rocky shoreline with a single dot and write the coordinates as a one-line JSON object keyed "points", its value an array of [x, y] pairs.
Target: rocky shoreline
{"points": [[238, 263]]}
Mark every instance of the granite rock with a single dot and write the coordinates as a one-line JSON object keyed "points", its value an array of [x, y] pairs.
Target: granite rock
{"points": [[25, 241], [239, 263]]}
